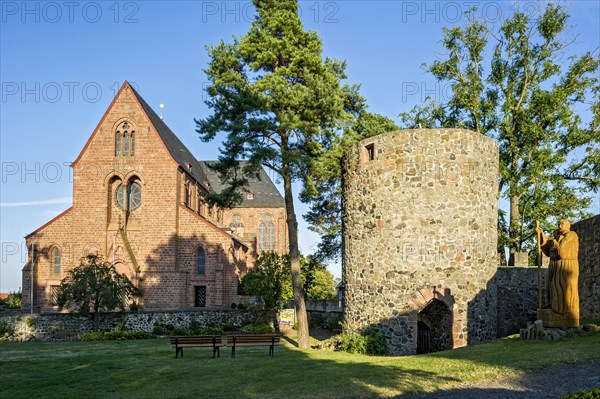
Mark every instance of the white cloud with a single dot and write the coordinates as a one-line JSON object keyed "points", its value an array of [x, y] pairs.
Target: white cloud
{"points": [[51, 201]]}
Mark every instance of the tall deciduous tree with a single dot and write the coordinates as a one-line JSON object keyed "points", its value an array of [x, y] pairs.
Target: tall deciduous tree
{"points": [[280, 103], [518, 86], [96, 286]]}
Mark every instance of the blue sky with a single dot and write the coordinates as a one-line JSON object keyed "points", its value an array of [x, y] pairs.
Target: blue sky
{"points": [[61, 63]]}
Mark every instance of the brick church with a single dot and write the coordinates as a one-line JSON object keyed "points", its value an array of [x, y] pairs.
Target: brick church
{"points": [[138, 202]]}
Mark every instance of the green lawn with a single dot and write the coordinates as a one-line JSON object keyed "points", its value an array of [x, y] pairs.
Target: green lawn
{"points": [[148, 369]]}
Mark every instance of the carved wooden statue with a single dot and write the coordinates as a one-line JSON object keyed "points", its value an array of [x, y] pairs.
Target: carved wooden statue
{"points": [[563, 274]]}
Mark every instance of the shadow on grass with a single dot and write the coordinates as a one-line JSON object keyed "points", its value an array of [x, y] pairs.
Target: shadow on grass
{"points": [[149, 369]]}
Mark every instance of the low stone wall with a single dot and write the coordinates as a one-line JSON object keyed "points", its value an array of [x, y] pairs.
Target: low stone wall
{"points": [[64, 326], [517, 292], [589, 267], [322, 305]]}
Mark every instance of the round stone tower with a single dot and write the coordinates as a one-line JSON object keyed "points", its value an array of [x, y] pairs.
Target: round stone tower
{"points": [[420, 236]]}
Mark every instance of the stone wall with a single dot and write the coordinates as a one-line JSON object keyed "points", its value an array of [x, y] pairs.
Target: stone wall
{"points": [[589, 267], [65, 326], [420, 224], [517, 291]]}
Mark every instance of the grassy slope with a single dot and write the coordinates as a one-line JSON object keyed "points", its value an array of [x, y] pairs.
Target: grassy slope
{"points": [[138, 369]]}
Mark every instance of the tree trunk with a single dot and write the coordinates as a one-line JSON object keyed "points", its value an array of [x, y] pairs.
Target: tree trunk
{"points": [[292, 225], [513, 229]]}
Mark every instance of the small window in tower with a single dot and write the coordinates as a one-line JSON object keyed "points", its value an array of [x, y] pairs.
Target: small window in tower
{"points": [[132, 149], [370, 152], [249, 195]]}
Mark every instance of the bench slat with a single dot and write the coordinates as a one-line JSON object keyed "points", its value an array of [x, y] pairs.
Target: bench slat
{"points": [[198, 341], [253, 340]]}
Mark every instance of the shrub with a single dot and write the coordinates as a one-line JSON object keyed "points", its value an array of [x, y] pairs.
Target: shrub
{"points": [[351, 341], [213, 330], [5, 328], [182, 331], [581, 394], [228, 327], [158, 329], [197, 331], [257, 328], [31, 322], [14, 299], [115, 335], [376, 343]]}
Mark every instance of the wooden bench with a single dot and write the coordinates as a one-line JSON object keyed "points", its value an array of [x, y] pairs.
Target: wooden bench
{"points": [[269, 340], [197, 341]]}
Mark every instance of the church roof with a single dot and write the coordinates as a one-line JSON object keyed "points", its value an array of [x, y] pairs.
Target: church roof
{"points": [[176, 148], [265, 194]]}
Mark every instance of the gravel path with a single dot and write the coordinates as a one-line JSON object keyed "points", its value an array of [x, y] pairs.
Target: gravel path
{"points": [[551, 383]]}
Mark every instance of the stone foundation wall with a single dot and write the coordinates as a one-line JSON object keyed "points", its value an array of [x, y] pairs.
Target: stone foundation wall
{"points": [[589, 267], [517, 291], [64, 326]]}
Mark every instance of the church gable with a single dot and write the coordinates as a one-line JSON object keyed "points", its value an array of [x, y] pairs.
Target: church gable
{"points": [[124, 136]]}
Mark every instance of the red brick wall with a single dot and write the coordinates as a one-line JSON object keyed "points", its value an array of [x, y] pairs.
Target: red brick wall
{"points": [[163, 234]]}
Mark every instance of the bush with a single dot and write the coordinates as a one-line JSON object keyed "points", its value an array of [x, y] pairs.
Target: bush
{"points": [[198, 331], [5, 328], [257, 328], [31, 322], [228, 327], [158, 329], [581, 394], [376, 343], [115, 335], [351, 341], [14, 299]]}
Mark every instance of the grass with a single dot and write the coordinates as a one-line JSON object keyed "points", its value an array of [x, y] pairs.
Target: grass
{"points": [[148, 368]]}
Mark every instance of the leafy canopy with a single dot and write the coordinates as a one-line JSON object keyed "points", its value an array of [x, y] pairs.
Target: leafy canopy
{"points": [[519, 85], [271, 280], [95, 286]]}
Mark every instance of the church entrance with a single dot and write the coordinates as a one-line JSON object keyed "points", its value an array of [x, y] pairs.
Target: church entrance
{"points": [[434, 327]]}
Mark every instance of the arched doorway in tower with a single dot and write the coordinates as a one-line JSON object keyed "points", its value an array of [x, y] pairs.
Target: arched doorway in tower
{"points": [[434, 328]]}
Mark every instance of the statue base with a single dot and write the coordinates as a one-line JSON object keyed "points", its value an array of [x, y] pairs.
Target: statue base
{"points": [[551, 319]]}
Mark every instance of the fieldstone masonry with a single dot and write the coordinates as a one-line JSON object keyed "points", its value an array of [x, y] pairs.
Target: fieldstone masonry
{"points": [[419, 225], [588, 231]]}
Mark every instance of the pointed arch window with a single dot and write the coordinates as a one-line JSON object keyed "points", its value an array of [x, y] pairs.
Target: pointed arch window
{"points": [[118, 144], [125, 140], [200, 261], [187, 195], [266, 234], [125, 143], [56, 258], [236, 224]]}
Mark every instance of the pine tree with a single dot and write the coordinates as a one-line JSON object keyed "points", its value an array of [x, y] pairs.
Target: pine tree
{"points": [[280, 104]]}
